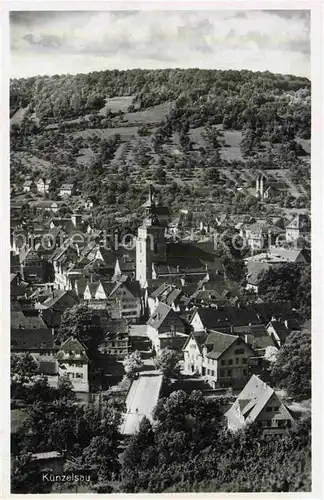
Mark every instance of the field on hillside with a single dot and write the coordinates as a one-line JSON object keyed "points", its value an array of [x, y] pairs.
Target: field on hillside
{"points": [[18, 117], [116, 104], [150, 115], [126, 133]]}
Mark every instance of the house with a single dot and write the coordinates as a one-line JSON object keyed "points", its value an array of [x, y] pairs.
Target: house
{"points": [[155, 296], [116, 342], [52, 308], [165, 328], [192, 352], [29, 186], [268, 188], [257, 337], [48, 366], [62, 260], [48, 206], [259, 236], [125, 300], [223, 359], [280, 255], [223, 318], [97, 293], [298, 227], [29, 334], [34, 268], [67, 190], [255, 275], [43, 185], [79, 287], [259, 403], [279, 330], [73, 362], [88, 204]]}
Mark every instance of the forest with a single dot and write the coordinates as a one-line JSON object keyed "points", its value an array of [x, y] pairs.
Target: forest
{"points": [[188, 131]]}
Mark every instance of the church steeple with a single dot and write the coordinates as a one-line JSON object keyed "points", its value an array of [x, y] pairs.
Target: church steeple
{"points": [[150, 241]]}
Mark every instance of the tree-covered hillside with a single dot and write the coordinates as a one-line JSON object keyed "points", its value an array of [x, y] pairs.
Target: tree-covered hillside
{"points": [[198, 135]]}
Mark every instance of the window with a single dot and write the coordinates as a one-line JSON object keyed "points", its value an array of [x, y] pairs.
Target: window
{"points": [[269, 408], [230, 362], [237, 361], [244, 361], [223, 362], [239, 351], [212, 373], [229, 373], [222, 373]]}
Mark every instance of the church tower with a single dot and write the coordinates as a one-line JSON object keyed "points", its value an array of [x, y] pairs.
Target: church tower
{"points": [[150, 242]]}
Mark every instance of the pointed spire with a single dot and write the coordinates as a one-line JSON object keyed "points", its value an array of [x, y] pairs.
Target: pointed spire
{"points": [[151, 196]]}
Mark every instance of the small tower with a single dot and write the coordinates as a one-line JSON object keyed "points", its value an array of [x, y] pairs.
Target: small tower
{"points": [[150, 241], [259, 186]]}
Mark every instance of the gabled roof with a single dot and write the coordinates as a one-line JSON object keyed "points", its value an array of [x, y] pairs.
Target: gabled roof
{"points": [[286, 254], [55, 297], [217, 343], [31, 339], [92, 287], [199, 337], [160, 314], [43, 180], [301, 222], [172, 296], [214, 317], [282, 329], [80, 286], [19, 320], [132, 286], [74, 346], [47, 365], [158, 291], [115, 327], [108, 287], [264, 229], [256, 272], [278, 310]]}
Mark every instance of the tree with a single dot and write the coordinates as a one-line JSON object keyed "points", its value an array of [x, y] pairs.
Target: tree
{"points": [[83, 323], [289, 282], [26, 476], [23, 369], [159, 175], [211, 175], [167, 361], [132, 364], [292, 369]]}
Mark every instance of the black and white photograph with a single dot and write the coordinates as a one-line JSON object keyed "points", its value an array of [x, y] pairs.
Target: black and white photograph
{"points": [[160, 251]]}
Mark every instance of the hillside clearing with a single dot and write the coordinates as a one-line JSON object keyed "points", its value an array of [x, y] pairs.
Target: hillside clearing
{"points": [[151, 115], [115, 104]]}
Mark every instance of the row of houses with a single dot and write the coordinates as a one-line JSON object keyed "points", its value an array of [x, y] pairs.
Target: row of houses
{"points": [[43, 186]]}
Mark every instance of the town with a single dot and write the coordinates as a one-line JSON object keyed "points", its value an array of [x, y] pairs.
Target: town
{"points": [[138, 319], [160, 254]]}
